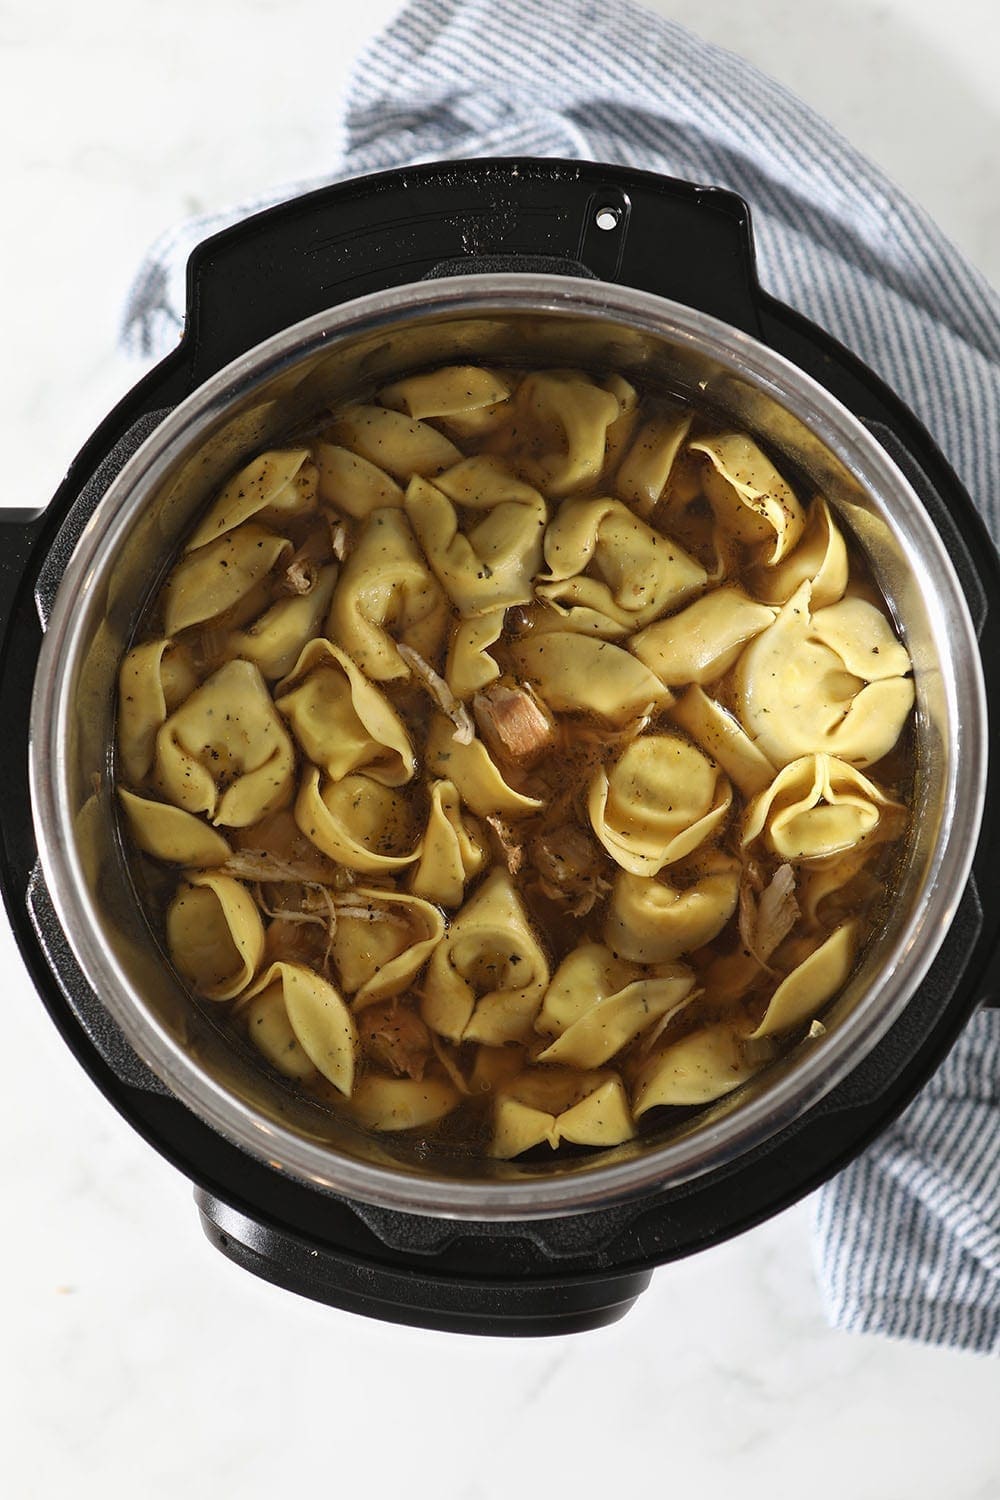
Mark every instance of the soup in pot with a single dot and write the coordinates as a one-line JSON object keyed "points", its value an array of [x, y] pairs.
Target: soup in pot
{"points": [[516, 758]]}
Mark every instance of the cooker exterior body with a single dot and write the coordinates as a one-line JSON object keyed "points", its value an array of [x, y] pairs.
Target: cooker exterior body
{"points": [[561, 1273]]}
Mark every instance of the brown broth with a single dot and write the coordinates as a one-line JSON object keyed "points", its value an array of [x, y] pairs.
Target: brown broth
{"points": [[293, 912]]}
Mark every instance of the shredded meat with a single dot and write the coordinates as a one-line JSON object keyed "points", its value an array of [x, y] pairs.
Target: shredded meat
{"points": [[287, 902], [767, 921], [650, 1038], [303, 921], [294, 938], [258, 864], [513, 851], [565, 855], [580, 902], [339, 540], [395, 1037], [445, 1057], [514, 722], [299, 577], [605, 738], [570, 869], [441, 693], [300, 573], [347, 907]]}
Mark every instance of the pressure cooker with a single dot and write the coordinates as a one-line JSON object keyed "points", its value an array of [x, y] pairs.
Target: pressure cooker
{"points": [[539, 262]]}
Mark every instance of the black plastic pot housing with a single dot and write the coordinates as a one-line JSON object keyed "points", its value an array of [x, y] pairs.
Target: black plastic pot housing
{"points": [[691, 245]]}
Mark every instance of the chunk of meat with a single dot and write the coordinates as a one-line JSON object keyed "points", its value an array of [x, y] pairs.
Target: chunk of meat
{"points": [[299, 577], [300, 573], [767, 921], [570, 868], [511, 848], [777, 912], [565, 856], [394, 1037], [340, 539], [514, 722]]}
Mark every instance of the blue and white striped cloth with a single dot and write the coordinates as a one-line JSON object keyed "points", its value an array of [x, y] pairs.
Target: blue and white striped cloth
{"points": [[908, 1237]]}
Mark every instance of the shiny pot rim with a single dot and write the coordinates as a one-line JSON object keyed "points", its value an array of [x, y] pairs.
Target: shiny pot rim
{"points": [[717, 1142]]}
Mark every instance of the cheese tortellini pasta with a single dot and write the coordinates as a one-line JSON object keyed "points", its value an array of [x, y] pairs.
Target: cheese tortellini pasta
{"points": [[834, 680], [657, 802], [515, 758]]}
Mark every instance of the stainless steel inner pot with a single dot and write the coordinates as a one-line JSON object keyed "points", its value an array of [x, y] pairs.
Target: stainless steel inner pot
{"points": [[129, 543]]}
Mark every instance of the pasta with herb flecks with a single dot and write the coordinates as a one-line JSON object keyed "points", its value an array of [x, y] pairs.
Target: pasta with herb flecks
{"points": [[516, 758]]}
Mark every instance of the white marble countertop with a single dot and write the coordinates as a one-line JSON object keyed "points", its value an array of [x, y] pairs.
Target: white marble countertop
{"points": [[135, 1360]]}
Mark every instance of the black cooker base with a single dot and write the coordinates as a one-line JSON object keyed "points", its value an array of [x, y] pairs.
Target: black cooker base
{"points": [[534, 1309]]}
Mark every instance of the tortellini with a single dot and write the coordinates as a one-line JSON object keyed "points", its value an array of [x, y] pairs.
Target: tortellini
{"points": [[820, 559], [272, 489], [652, 921], [454, 390], [493, 563], [387, 593], [381, 1103], [586, 975], [700, 1067], [452, 852], [341, 720], [814, 981], [578, 674], [221, 578], [832, 681], [153, 680], [609, 1018], [619, 435], [170, 834], [721, 735], [353, 485], [381, 941], [567, 416], [393, 441], [642, 477], [515, 760], [817, 807], [470, 667], [587, 1109], [357, 821], [265, 1017], [319, 1020], [224, 751], [474, 772], [702, 642], [748, 495], [658, 801], [274, 641], [486, 977], [639, 573], [215, 934]]}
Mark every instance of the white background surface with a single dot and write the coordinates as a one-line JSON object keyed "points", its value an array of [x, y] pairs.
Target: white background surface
{"points": [[133, 1359]]}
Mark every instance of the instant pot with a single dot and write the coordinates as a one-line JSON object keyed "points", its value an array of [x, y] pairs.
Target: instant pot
{"points": [[517, 261]]}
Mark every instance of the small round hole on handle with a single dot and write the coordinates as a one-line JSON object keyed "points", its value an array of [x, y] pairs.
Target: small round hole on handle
{"points": [[608, 218]]}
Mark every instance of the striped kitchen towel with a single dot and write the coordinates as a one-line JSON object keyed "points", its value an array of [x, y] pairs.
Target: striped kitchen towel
{"points": [[908, 1236]]}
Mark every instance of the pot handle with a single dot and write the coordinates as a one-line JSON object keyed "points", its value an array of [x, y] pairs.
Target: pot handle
{"points": [[690, 244], [102, 1032], [978, 598], [528, 1307], [19, 532]]}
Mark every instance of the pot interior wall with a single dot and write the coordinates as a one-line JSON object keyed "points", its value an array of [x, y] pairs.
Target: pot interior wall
{"points": [[260, 411]]}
